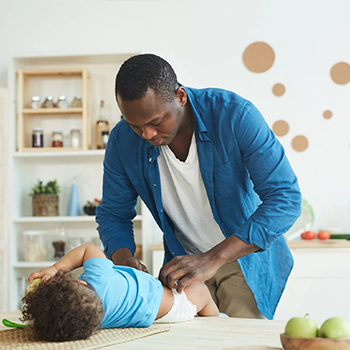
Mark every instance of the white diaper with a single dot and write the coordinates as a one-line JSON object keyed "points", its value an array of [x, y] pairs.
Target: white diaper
{"points": [[181, 311]]}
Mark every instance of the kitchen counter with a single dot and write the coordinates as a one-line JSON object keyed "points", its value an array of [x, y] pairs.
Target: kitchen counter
{"points": [[315, 243], [204, 333]]}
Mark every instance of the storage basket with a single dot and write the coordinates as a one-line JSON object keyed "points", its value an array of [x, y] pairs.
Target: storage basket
{"points": [[45, 205]]}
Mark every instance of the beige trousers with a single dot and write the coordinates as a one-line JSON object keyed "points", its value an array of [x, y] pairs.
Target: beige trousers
{"points": [[231, 293]]}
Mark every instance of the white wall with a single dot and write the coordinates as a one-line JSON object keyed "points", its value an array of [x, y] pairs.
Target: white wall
{"points": [[204, 41]]}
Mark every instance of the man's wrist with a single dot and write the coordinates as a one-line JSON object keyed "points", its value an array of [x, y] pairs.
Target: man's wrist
{"points": [[120, 255], [231, 249]]}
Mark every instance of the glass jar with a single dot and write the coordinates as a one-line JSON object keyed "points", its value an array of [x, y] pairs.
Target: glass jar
{"points": [[77, 102], [62, 102], [105, 136], [74, 242], [35, 103], [57, 139], [75, 138], [37, 137], [35, 248], [48, 103], [59, 243]]}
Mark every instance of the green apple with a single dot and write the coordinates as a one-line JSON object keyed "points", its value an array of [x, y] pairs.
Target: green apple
{"points": [[33, 285], [335, 327], [301, 327]]}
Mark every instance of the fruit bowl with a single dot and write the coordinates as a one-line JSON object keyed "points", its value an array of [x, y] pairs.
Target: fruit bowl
{"points": [[294, 343]]}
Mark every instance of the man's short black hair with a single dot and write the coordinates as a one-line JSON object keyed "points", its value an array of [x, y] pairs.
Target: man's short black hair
{"points": [[139, 73]]}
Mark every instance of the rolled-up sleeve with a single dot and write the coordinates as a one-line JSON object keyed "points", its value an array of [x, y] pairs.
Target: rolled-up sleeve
{"points": [[116, 211], [273, 178]]}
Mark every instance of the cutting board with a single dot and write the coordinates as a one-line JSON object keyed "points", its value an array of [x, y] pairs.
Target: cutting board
{"points": [[253, 347]]}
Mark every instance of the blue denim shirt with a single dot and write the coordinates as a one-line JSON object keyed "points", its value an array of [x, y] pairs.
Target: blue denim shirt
{"points": [[252, 189]]}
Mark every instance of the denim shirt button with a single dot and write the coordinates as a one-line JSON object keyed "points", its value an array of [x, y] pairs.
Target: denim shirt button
{"points": [[150, 160]]}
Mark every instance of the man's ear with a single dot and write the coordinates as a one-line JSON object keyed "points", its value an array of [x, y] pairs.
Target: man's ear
{"points": [[181, 95]]}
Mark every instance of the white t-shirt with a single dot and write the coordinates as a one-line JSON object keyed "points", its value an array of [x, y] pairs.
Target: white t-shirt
{"points": [[186, 202]]}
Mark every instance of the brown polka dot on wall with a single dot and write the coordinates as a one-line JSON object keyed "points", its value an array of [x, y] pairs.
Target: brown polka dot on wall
{"points": [[327, 114], [300, 143], [280, 128], [278, 89], [340, 73], [258, 57]]}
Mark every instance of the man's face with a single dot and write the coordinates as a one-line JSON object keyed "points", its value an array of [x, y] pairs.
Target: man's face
{"points": [[156, 121]]}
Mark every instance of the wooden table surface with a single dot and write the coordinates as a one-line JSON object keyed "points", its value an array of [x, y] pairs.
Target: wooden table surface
{"points": [[204, 333]]}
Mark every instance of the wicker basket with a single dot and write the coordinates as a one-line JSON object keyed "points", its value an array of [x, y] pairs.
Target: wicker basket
{"points": [[45, 205]]}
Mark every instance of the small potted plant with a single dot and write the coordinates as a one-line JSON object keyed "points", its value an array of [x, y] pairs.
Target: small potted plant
{"points": [[45, 198], [90, 207]]}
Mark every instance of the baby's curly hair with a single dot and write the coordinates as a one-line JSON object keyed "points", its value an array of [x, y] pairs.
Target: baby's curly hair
{"points": [[61, 309]]}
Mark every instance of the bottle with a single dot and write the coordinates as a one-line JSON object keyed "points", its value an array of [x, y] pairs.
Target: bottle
{"points": [[37, 137], [48, 103], [75, 137], [101, 125], [105, 136], [77, 102], [57, 139], [35, 104], [74, 207], [62, 102]]}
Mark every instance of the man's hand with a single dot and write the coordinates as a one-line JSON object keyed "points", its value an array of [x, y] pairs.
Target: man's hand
{"points": [[187, 269], [132, 262], [44, 274]]}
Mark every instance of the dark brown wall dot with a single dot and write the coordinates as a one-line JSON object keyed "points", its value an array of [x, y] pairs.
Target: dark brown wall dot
{"points": [[327, 114], [280, 128], [300, 143], [258, 57], [340, 73], [278, 89]]}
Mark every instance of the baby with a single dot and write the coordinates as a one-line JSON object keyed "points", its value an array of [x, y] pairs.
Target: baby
{"points": [[63, 308]]}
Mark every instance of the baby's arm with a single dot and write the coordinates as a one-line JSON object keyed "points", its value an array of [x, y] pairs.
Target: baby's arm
{"points": [[73, 259], [199, 295]]}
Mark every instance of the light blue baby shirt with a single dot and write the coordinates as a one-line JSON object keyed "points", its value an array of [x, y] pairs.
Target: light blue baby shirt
{"points": [[130, 297]]}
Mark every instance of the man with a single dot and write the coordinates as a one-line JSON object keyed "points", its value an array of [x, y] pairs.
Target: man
{"points": [[215, 179]]}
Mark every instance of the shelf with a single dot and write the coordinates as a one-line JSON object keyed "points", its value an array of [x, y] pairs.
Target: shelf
{"points": [[33, 264], [24, 120], [51, 149], [62, 219], [30, 153], [52, 111], [61, 72]]}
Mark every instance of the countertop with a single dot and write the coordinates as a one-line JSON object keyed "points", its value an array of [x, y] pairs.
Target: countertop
{"points": [[204, 333], [315, 243]]}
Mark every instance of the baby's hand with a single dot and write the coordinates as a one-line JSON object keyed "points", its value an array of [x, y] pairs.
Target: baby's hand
{"points": [[44, 274]]}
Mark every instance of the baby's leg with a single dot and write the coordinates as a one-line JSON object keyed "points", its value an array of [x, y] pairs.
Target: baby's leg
{"points": [[166, 303], [199, 295]]}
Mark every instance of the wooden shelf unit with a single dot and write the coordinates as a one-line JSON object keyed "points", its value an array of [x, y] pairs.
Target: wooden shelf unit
{"points": [[52, 111], [24, 113]]}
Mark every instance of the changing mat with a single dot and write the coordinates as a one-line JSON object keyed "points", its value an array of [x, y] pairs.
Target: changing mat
{"points": [[22, 339]]}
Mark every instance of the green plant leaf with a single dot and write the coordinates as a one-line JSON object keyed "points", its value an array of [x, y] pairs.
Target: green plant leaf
{"points": [[50, 188]]}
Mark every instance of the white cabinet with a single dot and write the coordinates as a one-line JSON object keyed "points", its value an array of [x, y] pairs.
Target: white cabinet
{"points": [[319, 285], [84, 166]]}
